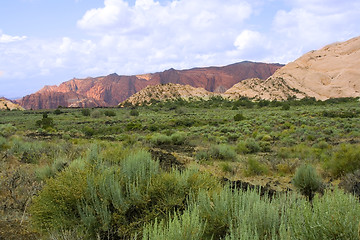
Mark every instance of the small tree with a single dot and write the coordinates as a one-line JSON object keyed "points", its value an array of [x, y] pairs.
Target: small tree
{"points": [[307, 181], [45, 122]]}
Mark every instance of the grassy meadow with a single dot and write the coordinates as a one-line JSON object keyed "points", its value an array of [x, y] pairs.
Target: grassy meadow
{"points": [[182, 170]]}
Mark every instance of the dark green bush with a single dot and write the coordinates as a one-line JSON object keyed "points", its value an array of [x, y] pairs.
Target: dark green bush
{"points": [[85, 112], [110, 113], [133, 126], [285, 106], [46, 122], [88, 131], [57, 111], [239, 117], [134, 112]]}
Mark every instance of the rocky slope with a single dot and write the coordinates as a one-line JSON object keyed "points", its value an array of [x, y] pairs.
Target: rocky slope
{"points": [[331, 72], [6, 104], [169, 91], [113, 89]]}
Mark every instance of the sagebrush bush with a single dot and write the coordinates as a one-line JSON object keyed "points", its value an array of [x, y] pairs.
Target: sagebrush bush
{"points": [[96, 113], [178, 138], [248, 146], [254, 167], [110, 201], [335, 215], [188, 225], [222, 152], [6, 130], [307, 181], [346, 159], [160, 139]]}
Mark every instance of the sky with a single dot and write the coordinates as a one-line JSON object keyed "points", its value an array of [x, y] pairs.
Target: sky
{"points": [[47, 42]]}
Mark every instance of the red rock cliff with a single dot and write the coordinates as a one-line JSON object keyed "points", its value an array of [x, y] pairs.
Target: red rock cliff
{"points": [[113, 89]]}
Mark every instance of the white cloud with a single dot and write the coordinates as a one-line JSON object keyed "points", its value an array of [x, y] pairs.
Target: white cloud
{"points": [[248, 39], [114, 12], [149, 34], [4, 38]]}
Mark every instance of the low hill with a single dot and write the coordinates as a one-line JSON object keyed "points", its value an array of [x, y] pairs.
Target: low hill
{"points": [[6, 104], [169, 91]]}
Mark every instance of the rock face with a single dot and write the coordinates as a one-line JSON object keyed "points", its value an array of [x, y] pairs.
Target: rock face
{"points": [[169, 91], [113, 89], [331, 72], [6, 104]]}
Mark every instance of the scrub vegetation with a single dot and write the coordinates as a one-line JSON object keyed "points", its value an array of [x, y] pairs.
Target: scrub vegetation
{"points": [[215, 169]]}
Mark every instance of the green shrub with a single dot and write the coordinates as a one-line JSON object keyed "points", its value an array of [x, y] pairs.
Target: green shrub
{"points": [[202, 155], [307, 181], [160, 139], [3, 143], [285, 106], [239, 117], [248, 146], [85, 112], [222, 152], [185, 226], [6, 130], [88, 131], [55, 207], [346, 159], [110, 113], [57, 111], [46, 122], [133, 126], [254, 167], [134, 112], [96, 113], [331, 216], [227, 168], [49, 171], [178, 138]]}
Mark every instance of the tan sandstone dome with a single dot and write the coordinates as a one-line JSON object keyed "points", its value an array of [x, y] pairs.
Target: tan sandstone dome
{"points": [[6, 104], [170, 91], [331, 72]]}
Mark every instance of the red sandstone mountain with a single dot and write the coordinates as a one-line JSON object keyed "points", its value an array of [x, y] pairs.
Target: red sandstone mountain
{"points": [[113, 89]]}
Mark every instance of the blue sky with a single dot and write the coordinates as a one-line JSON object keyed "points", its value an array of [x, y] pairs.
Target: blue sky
{"points": [[46, 42]]}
